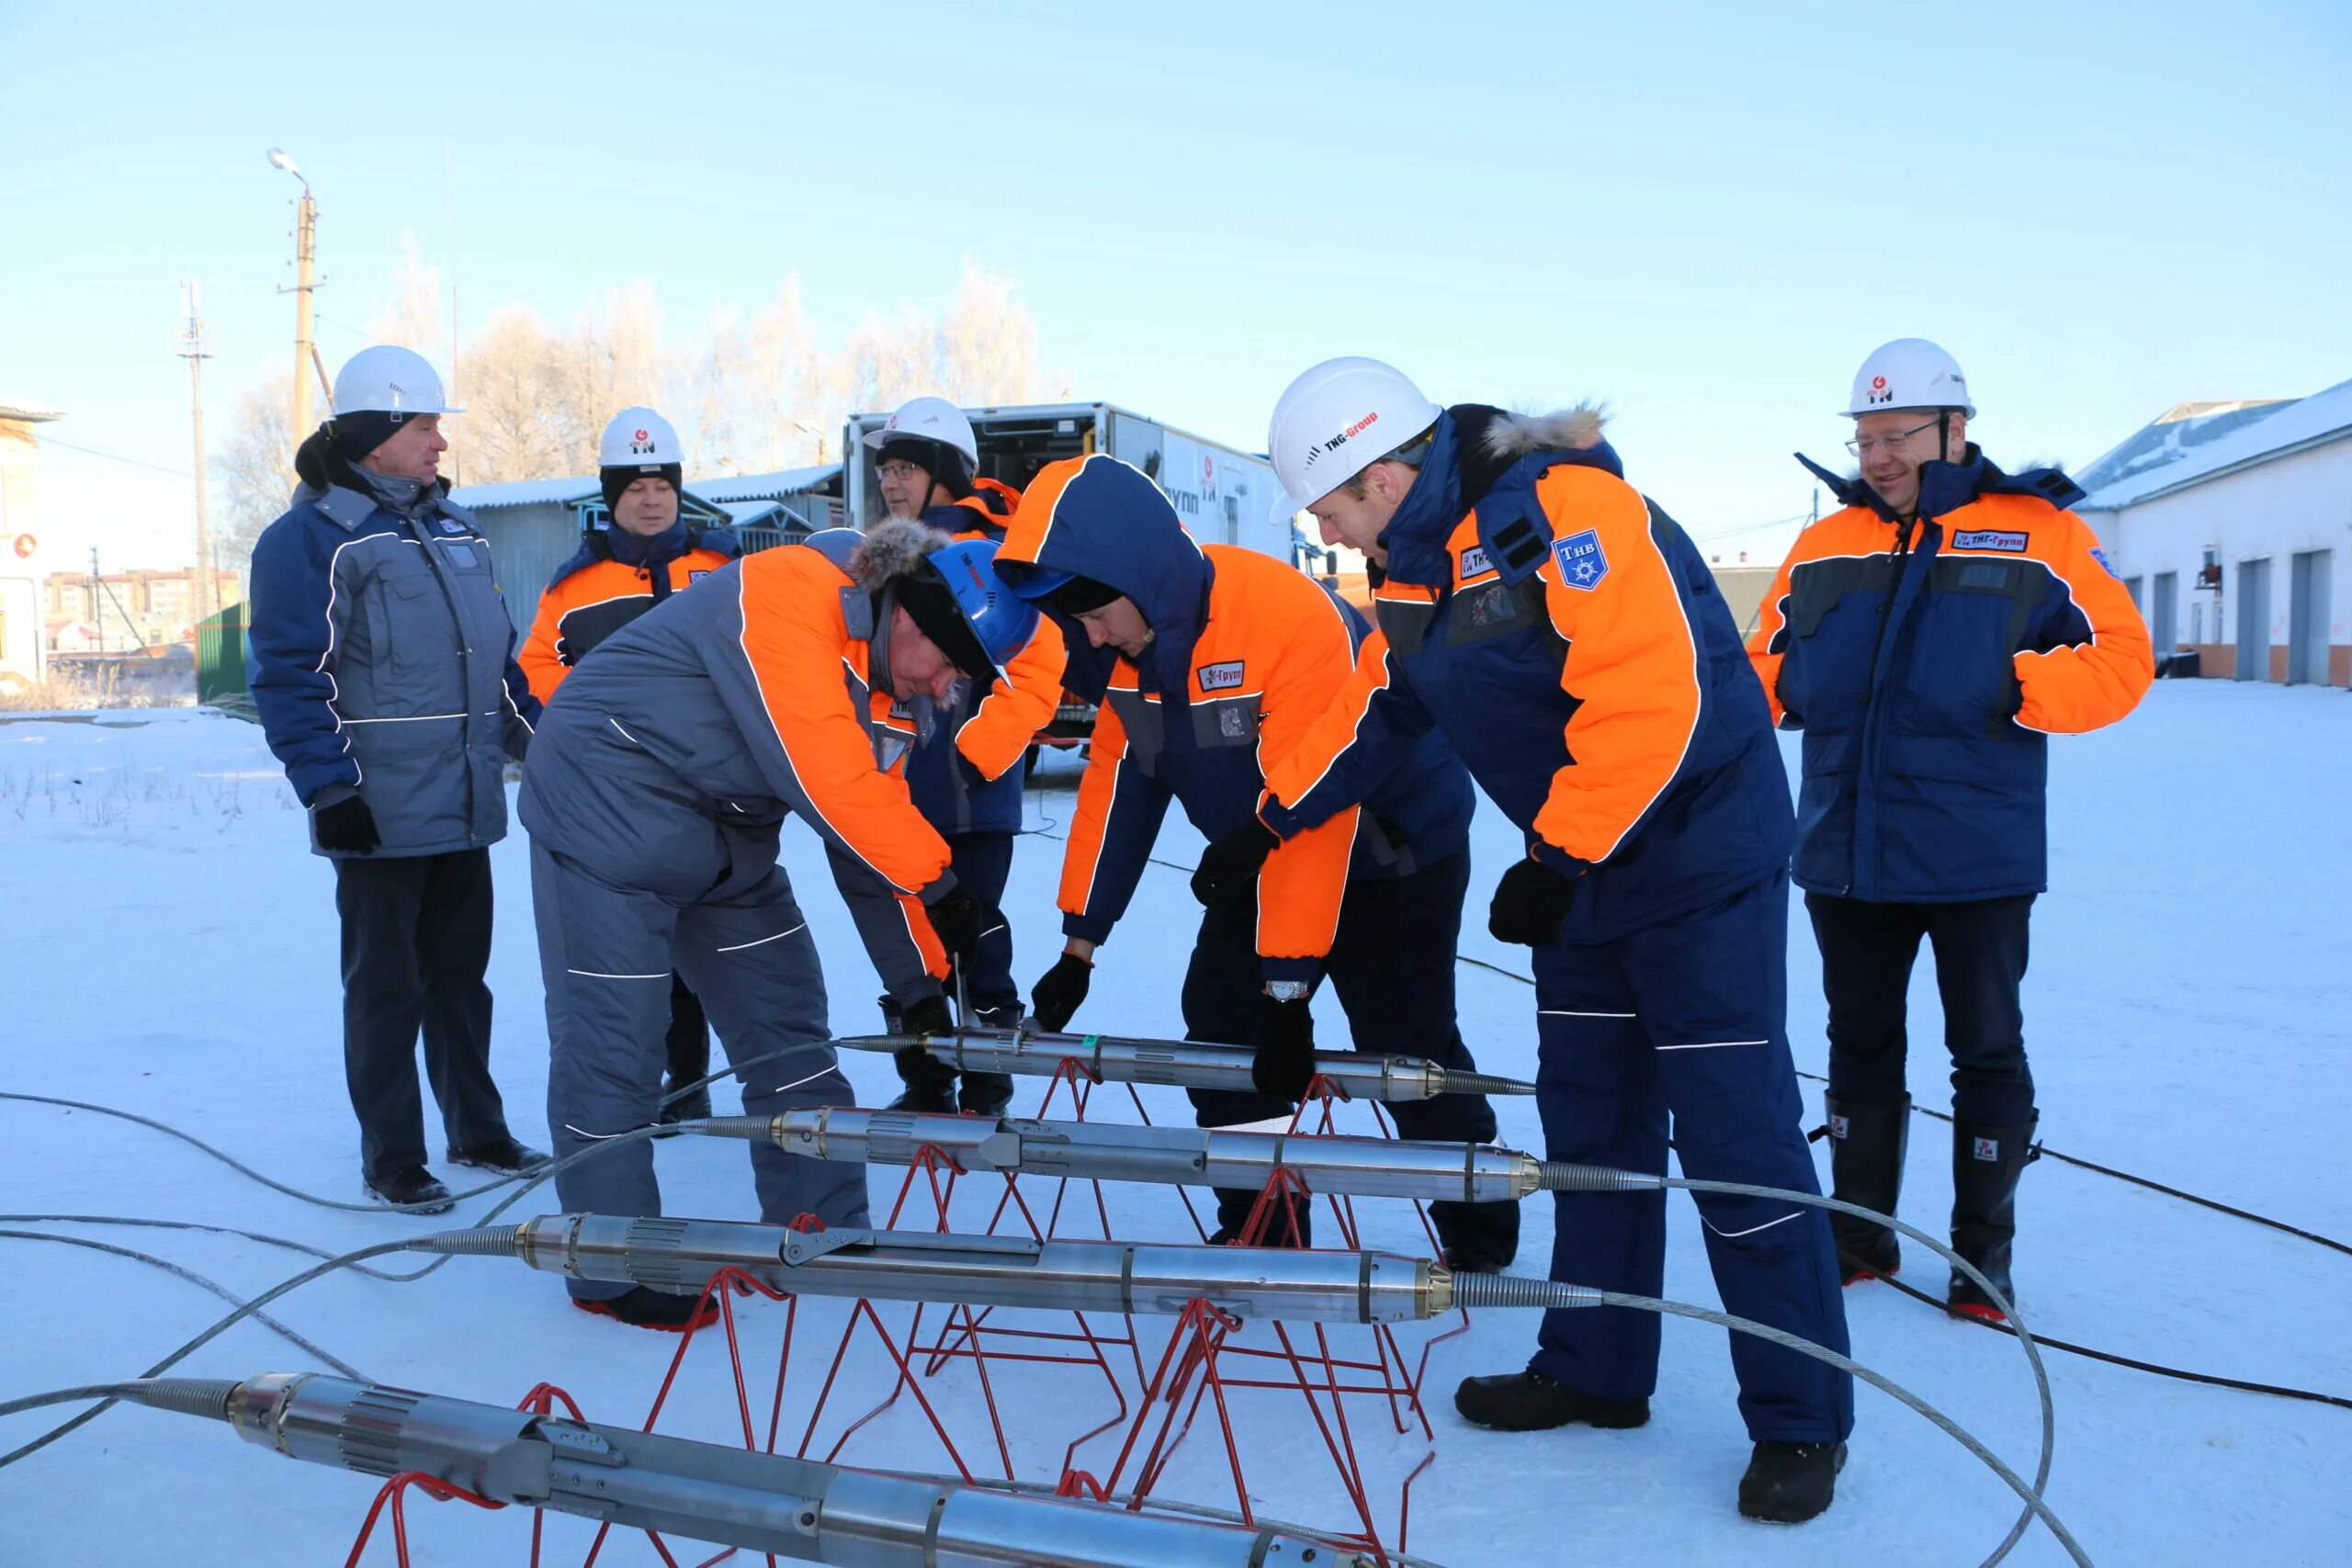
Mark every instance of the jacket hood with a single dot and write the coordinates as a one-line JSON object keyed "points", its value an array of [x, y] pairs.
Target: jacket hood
{"points": [[1488, 459], [1098, 517]]}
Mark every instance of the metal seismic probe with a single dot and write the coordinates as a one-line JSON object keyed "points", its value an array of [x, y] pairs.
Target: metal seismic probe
{"points": [[683, 1255], [792, 1508], [1183, 1064], [1175, 1156]]}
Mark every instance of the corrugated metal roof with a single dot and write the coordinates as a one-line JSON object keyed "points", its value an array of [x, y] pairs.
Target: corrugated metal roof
{"points": [[2172, 455], [763, 487], [743, 512], [526, 492], [26, 414]]}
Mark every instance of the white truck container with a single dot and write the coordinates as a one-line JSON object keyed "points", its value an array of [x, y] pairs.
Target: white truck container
{"points": [[1226, 496]]}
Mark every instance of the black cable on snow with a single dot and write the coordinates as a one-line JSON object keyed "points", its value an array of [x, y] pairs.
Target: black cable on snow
{"points": [[2041, 1151], [2184, 1375]]}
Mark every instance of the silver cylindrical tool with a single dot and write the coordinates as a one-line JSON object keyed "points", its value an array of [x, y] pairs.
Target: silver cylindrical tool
{"points": [[1182, 1156], [683, 1255], [793, 1508], [1181, 1063]]}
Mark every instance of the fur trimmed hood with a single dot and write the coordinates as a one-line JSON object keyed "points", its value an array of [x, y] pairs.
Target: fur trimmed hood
{"points": [[892, 549], [1514, 435]]}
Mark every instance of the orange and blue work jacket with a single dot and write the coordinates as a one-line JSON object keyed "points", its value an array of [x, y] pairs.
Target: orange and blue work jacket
{"points": [[1928, 660], [1247, 653], [614, 578], [1564, 635], [968, 774], [681, 747]]}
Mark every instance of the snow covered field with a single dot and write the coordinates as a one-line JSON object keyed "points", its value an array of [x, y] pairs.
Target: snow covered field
{"points": [[171, 949]]}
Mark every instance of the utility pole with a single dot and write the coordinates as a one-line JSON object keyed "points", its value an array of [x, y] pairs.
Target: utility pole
{"points": [[306, 255], [192, 349]]}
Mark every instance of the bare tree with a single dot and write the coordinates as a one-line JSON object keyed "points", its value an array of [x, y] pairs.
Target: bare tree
{"points": [[757, 393], [253, 471]]}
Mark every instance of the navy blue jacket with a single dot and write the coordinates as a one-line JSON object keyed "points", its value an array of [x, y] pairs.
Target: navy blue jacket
{"points": [[953, 795], [1567, 639], [382, 664], [1928, 660], [1239, 640]]}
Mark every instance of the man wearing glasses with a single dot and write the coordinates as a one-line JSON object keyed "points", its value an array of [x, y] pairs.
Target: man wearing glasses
{"points": [[1927, 638]]}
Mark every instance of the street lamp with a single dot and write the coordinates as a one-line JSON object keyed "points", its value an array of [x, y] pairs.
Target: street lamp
{"points": [[305, 249]]}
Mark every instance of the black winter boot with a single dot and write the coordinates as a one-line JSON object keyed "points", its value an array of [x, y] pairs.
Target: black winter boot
{"points": [[410, 1186], [931, 1083], [643, 1307], [1866, 1149], [1986, 1165], [1788, 1484], [988, 1094], [1529, 1402]]}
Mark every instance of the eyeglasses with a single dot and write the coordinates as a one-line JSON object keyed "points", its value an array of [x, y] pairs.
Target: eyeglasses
{"points": [[898, 468], [1863, 445]]}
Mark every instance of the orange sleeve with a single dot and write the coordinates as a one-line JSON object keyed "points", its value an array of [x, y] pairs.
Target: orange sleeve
{"points": [[541, 667], [1768, 644], [2084, 682], [1349, 748], [1305, 879], [1632, 663], [794, 646], [1001, 730]]}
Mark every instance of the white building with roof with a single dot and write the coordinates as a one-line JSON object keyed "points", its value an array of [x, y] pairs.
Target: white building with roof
{"points": [[535, 525], [2232, 524]]}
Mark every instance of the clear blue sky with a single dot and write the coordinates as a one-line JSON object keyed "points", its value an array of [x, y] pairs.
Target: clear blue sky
{"points": [[1704, 214]]}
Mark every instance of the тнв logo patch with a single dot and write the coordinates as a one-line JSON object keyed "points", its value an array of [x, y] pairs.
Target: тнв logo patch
{"points": [[1225, 677], [1476, 562], [1991, 539], [1988, 1149], [1581, 560]]}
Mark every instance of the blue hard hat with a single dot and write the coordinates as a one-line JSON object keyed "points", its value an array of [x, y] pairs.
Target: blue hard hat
{"points": [[1033, 582], [1002, 620]]}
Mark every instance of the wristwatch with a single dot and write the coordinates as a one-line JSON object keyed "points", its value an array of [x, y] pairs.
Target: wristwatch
{"points": [[1290, 990]]}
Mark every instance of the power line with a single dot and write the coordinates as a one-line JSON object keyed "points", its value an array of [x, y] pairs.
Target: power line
{"points": [[1748, 528], [116, 457]]}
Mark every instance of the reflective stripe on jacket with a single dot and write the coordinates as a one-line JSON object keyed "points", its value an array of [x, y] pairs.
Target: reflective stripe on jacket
{"points": [[669, 761], [382, 662], [1927, 661]]}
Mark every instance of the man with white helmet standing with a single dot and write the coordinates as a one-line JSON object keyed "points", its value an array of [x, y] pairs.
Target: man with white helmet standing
{"points": [[646, 553], [382, 662], [967, 770], [1926, 639], [1566, 637]]}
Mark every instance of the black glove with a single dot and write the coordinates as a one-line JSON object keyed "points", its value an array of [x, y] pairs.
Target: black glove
{"points": [[928, 1016], [960, 919], [1228, 868], [1286, 1059], [346, 826], [1058, 991], [1530, 902]]}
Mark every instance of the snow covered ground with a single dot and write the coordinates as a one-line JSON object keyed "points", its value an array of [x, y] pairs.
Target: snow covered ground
{"points": [[170, 950]]}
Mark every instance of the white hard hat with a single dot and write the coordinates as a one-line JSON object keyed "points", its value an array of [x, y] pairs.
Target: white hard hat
{"points": [[929, 419], [1337, 420], [390, 379], [1909, 373], [638, 438]]}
